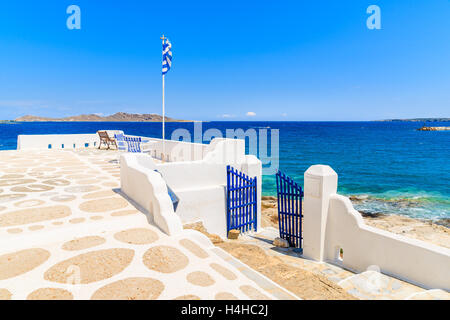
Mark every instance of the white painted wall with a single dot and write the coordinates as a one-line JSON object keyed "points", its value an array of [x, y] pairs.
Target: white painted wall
{"points": [[57, 141], [171, 150], [331, 223], [148, 189], [200, 184], [168, 150]]}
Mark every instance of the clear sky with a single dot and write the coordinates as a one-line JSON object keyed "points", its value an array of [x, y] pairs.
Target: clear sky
{"points": [[276, 60]]}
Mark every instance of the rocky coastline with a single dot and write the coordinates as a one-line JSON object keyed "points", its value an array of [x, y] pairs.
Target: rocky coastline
{"points": [[432, 231]]}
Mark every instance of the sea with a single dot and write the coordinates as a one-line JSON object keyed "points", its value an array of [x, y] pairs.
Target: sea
{"points": [[385, 167]]}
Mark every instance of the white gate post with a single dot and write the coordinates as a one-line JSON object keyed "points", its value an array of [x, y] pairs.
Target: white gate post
{"points": [[320, 183], [253, 168]]}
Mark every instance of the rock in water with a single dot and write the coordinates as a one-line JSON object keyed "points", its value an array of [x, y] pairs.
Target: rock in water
{"points": [[282, 243]]}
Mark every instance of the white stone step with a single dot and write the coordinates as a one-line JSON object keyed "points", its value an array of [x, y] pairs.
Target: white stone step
{"points": [[434, 294], [374, 285]]}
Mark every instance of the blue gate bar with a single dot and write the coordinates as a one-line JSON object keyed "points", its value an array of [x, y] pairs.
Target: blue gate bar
{"points": [[289, 200], [241, 201]]}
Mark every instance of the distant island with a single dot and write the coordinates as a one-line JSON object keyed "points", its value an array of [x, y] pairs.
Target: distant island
{"points": [[418, 120], [117, 117]]}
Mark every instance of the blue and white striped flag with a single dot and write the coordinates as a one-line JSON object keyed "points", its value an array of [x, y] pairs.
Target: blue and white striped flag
{"points": [[167, 56]]}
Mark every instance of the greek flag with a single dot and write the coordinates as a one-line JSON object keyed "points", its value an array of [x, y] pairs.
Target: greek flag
{"points": [[167, 56]]}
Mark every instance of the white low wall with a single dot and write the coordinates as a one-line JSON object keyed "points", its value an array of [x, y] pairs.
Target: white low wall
{"points": [[148, 189], [175, 151], [200, 184], [57, 141], [167, 150], [331, 223]]}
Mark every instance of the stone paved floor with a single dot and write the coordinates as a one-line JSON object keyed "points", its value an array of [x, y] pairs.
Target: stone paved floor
{"points": [[369, 285], [66, 232]]}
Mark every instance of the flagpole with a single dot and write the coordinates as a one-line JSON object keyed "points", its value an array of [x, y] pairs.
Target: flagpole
{"points": [[163, 116], [163, 110]]}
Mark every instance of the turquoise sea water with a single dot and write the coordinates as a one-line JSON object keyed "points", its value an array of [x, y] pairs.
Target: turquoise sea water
{"points": [[390, 166]]}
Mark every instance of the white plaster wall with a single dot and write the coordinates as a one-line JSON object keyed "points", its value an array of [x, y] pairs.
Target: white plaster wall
{"points": [[192, 175], [331, 223], [207, 205], [253, 168], [415, 261], [200, 185], [147, 188], [25, 142], [170, 150]]}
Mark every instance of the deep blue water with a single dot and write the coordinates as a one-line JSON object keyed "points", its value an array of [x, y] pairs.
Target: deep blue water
{"points": [[384, 161]]}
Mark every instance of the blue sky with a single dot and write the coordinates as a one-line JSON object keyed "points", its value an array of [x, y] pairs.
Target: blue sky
{"points": [[279, 60]]}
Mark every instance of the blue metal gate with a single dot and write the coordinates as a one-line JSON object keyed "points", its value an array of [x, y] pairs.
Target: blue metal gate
{"points": [[290, 196], [241, 201]]}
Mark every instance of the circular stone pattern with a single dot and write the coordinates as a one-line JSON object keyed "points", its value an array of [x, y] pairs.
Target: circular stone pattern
{"points": [[81, 189], [188, 297], [253, 293], [194, 248], [34, 228], [99, 194], [49, 176], [12, 176], [14, 230], [50, 294], [123, 213], [136, 236], [93, 266], [227, 274], [13, 182], [11, 197], [200, 278], [130, 289], [20, 262], [225, 296], [56, 182], [32, 188], [78, 176], [87, 181], [5, 294], [83, 243], [103, 205], [77, 220], [43, 169], [110, 184], [49, 194], [63, 198], [165, 259], [29, 203], [33, 215]]}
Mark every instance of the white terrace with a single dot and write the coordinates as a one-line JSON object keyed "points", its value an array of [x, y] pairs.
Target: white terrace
{"points": [[77, 222], [67, 230]]}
